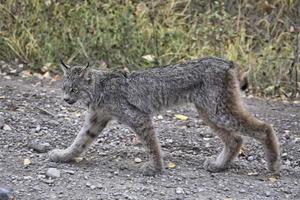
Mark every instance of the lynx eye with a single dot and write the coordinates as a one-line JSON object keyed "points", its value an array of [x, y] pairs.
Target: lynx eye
{"points": [[74, 90]]}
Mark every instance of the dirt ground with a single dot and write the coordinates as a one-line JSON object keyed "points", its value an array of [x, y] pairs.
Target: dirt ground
{"points": [[32, 111]]}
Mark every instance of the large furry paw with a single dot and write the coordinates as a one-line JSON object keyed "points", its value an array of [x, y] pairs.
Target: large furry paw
{"points": [[149, 170], [59, 155], [212, 166], [274, 167]]}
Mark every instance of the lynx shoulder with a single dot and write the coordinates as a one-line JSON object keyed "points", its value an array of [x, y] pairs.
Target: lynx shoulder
{"points": [[211, 84]]}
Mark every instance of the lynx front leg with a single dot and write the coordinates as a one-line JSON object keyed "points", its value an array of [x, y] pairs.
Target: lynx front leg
{"points": [[143, 127], [93, 125]]}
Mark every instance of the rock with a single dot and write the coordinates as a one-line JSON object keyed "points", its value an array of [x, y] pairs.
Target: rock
{"points": [[88, 184], [179, 190], [1, 122], [38, 128], [70, 172], [137, 160], [160, 117], [6, 194], [250, 158], [267, 193], [284, 155], [207, 145], [297, 139], [242, 191], [6, 127], [53, 173], [40, 147], [93, 187]]}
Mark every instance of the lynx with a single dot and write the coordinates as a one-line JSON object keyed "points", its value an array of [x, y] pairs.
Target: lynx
{"points": [[211, 84]]}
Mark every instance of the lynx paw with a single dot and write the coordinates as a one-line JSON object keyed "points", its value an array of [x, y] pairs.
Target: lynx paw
{"points": [[149, 170], [274, 167], [58, 155], [211, 166]]}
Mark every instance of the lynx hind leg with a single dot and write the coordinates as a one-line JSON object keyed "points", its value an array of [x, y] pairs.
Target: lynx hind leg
{"points": [[265, 134], [93, 125], [232, 144], [245, 124]]}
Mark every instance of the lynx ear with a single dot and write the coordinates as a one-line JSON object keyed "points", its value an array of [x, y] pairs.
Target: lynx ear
{"points": [[84, 69], [64, 67]]}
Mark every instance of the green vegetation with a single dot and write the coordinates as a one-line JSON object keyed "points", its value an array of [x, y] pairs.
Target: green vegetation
{"points": [[136, 34]]}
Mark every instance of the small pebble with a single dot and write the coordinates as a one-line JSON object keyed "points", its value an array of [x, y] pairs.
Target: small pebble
{"points": [[179, 190], [1, 122], [160, 117], [250, 158], [6, 194], [137, 160], [53, 173], [70, 171], [267, 193], [40, 147]]}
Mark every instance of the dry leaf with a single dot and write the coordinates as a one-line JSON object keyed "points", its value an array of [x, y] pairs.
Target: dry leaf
{"points": [[57, 77], [136, 141], [171, 165], [47, 75], [252, 174], [26, 162], [273, 179], [2, 97], [78, 159], [181, 117], [149, 58], [77, 114], [292, 29], [242, 152]]}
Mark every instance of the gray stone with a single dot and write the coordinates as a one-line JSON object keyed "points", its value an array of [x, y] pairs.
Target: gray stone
{"points": [[40, 147], [70, 171], [53, 173], [179, 190], [1, 122], [6, 194], [267, 193]]}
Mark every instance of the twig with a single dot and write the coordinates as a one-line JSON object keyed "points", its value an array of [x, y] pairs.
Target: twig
{"points": [[293, 66], [43, 111], [152, 19]]}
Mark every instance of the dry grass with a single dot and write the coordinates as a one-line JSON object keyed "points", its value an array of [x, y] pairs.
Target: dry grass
{"points": [[139, 34]]}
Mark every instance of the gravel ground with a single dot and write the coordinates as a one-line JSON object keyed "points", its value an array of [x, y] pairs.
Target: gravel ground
{"points": [[34, 119]]}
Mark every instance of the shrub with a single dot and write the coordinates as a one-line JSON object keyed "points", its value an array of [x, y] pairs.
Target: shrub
{"points": [[139, 34]]}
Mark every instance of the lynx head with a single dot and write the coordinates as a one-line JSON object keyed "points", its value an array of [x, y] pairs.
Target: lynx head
{"points": [[73, 82]]}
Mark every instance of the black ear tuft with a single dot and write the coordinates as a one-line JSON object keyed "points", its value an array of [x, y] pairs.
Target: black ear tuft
{"points": [[84, 69], [63, 66]]}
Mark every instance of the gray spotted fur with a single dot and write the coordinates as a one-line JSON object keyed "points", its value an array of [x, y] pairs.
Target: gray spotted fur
{"points": [[211, 84]]}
